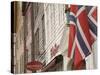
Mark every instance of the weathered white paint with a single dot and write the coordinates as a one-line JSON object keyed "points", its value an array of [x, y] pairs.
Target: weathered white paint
{"points": [[91, 60]]}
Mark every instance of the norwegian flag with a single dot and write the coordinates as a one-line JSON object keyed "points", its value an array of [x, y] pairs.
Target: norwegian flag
{"points": [[72, 21], [92, 19], [83, 33]]}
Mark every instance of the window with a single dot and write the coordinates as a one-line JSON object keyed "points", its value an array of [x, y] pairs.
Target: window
{"points": [[56, 67], [26, 27], [43, 31], [37, 43]]}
